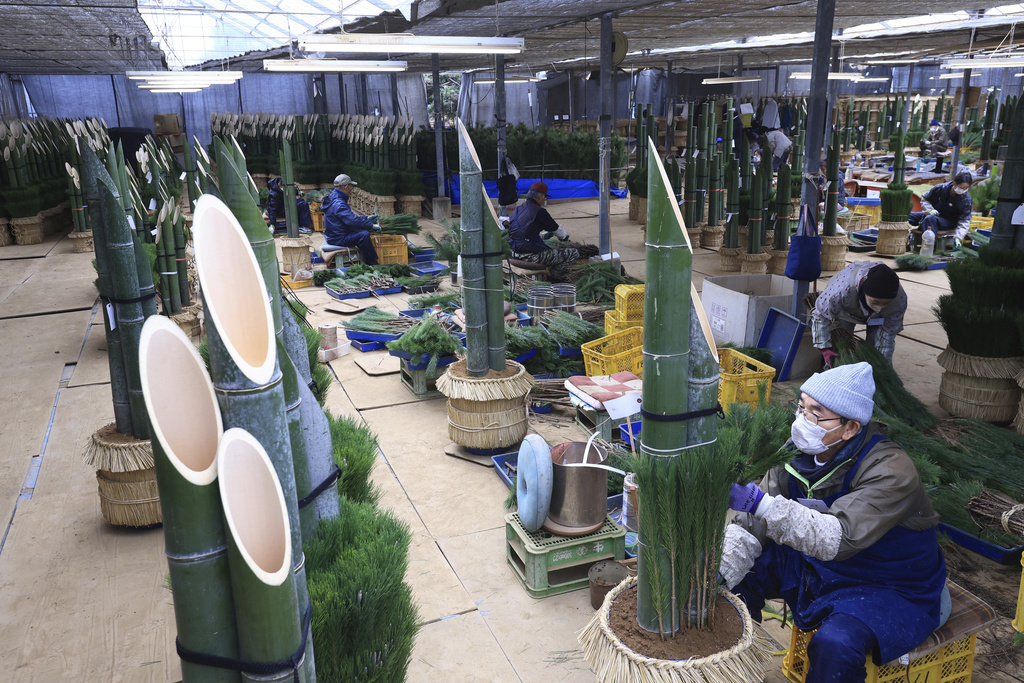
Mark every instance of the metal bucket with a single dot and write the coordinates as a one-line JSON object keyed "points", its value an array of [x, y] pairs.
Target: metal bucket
{"points": [[539, 300], [565, 297], [579, 496]]}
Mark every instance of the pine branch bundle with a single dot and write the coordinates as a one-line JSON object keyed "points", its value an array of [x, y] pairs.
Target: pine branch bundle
{"points": [[400, 224], [952, 503], [596, 282], [449, 300], [979, 331], [997, 511], [569, 330], [428, 337]]}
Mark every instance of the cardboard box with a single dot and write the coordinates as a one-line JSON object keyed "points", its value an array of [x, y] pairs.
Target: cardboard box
{"points": [[177, 142], [166, 124], [737, 305]]}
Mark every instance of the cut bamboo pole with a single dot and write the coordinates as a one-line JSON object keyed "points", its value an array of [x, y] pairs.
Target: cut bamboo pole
{"points": [[243, 350], [1005, 235], [187, 428], [303, 482], [828, 225], [288, 183], [493, 282], [180, 257], [269, 617], [165, 253], [474, 297]]}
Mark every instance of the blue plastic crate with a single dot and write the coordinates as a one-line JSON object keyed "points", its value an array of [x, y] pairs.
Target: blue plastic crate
{"points": [[429, 268], [315, 258], [359, 335], [367, 345], [614, 502], [352, 295], [630, 432], [424, 255], [869, 235], [423, 361], [781, 335], [998, 553], [569, 350], [525, 356]]}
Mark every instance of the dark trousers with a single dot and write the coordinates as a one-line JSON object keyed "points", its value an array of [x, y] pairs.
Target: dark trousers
{"points": [[839, 650], [359, 239], [777, 162], [927, 221]]}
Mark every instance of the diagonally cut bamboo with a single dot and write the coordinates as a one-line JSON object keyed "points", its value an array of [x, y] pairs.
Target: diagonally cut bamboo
{"points": [[473, 285], [187, 428], [269, 617], [243, 351]]}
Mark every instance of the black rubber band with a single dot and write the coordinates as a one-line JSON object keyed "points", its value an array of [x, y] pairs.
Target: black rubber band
{"points": [[138, 299], [254, 668], [321, 487], [490, 253], [1008, 200], [707, 412]]}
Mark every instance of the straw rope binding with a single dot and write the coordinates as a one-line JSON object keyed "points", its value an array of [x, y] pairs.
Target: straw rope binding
{"points": [[613, 662], [892, 238], [833, 252], [713, 236], [729, 259], [754, 264], [978, 366], [980, 388], [111, 451], [483, 388], [129, 498]]}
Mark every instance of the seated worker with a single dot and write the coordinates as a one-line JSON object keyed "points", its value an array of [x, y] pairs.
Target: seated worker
{"points": [[859, 131], [935, 143], [862, 293], [525, 226], [946, 207], [780, 146], [343, 227], [275, 209], [845, 534]]}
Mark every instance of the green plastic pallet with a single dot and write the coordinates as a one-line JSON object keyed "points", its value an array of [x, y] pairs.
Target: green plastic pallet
{"points": [[548, 565], [421, 384]]}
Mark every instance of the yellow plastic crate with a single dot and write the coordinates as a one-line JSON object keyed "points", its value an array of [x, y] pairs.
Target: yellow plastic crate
{"points": [[391, 249], [318, 220], [740, 375], [629, 302], [982, 222], [613, 324], [1018, 620], [951, 663], [622, 351]]}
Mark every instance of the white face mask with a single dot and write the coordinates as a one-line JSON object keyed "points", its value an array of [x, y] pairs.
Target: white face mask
{"points": [[935, 129], [807, 436], [959, 190], [877, 308]]}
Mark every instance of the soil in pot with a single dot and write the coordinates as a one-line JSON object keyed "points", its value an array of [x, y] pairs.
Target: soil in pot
{"points": [[724, 633]]}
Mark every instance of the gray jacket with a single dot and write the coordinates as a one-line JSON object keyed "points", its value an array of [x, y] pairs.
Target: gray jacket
{"points": [[886, 491]]}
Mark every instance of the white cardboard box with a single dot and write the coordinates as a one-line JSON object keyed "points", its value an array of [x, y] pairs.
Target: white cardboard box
{"points": [[737, 305]]}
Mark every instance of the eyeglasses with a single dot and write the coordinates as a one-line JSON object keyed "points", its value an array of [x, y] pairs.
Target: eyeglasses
{"points": [[794, 406]]}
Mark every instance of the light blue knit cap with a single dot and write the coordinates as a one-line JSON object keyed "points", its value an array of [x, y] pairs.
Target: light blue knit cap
{"points": [[847, 390]]}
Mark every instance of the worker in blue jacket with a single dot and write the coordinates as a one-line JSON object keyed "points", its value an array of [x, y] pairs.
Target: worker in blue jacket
{"points": [[946, 207], [845, 534], [525, 226], [343, 227]]}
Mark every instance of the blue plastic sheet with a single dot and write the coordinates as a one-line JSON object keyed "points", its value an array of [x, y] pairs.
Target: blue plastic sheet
{"points": [[557, 188]]}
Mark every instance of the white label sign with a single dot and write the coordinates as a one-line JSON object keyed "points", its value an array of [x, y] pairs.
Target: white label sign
{"points": [[624, 406]]}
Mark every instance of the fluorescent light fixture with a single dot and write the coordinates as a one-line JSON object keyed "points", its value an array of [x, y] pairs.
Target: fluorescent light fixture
{"points": [[407, 42], [721, 80], [876, 62], [1018, 75], [806, 76], [985, 62], [959, 74], [873, 79], [509, 79], [169, 89], [176, 77], [332, 65]]}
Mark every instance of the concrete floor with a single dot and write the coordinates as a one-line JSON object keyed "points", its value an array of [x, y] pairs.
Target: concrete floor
{"points": [[80, 600]]}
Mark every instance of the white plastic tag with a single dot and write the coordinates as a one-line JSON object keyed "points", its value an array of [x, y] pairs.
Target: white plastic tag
{"points": [[1018, 216], [110, 317], [149, 176], [131, 221], [152, 204], [153, 232], [624, 406], [182, 176], [695, 153], [458, 268]]}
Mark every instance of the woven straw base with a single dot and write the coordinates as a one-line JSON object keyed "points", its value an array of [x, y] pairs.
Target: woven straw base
{"points": [[713, 236], [409, 204], [696, 233], [833, 253], [729, 259], [486, 413], [81, 242], [892, 238], [742, 237], [27, 230], [295, 254], [613, 662], [5, 233], [980, 388], [129, 498], [754, 264], [777, 263], [112, 451]]}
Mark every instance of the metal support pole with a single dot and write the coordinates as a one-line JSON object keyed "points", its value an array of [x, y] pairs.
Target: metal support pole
{"points": [[341, 93], [499, 114], [319, 93], [961, 118], [365, 94], [605, 141], [817, 104], [670, 128], [435, 61], [395, 105], [739, 72], [113, 95], [906, 107], [572, 102]]}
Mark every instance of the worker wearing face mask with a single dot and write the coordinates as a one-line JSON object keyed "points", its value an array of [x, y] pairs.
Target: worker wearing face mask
{"points": [[946, 207], [862, 293], [845, 534], [525, 228], [935, 143]]}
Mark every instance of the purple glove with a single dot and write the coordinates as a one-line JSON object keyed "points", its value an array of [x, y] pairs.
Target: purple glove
{"points": [[744, 498], [829, 356]]}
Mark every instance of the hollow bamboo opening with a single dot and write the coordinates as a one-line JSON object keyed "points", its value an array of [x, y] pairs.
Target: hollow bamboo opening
{"points": [[183, 409], [234, 289], [254, 506]]}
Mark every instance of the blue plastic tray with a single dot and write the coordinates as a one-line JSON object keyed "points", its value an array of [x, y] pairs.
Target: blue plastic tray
{"points": [[424, 360], [869, 235], [359, 335], [990, 550], [781, 335], [614, 502], [425, 255], [353, 295], [630, 431], [367, 345], [569, 350], [525, 356], [429, 267], [863, 201]]}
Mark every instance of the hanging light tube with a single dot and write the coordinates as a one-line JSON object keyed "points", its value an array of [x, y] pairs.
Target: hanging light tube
{"points": [[510, 79], [721, 80], [407, 42], [806, 76], [178, 77], [959, 74], [333, 66], [985, 62]]}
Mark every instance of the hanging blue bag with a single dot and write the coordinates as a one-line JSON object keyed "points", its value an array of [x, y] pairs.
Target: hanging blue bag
{"points": [[804, 259]]}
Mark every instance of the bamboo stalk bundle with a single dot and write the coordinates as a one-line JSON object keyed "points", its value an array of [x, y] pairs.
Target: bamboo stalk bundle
{"points": [[1004, 234], [268, 615], [493, 283], [474, 295], [165, 258], [186, 431], [828, 223], [288, 183], [993, 510], [181, 258]]}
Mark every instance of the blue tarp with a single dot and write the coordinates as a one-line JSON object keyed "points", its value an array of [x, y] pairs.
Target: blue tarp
{"points": [[557, 188], [863, 201]]}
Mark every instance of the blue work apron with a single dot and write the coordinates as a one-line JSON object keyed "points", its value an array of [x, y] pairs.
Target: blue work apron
{"points": [[893, 586]]}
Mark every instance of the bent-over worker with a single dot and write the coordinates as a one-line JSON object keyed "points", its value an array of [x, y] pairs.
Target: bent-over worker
{"points": [[780, 146], [343, 227], [845, 534], [862, 293], [525, 226], [935, 143], [946, 207]]}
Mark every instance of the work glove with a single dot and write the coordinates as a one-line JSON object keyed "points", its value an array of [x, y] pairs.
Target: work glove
{"points": [[561, 233], [933, 212], [745, 497], [373, 219], [376, 228], [829, 356]]}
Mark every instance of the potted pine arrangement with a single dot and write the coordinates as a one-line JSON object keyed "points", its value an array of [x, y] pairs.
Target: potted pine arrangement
{"points": [[897, 200]]}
